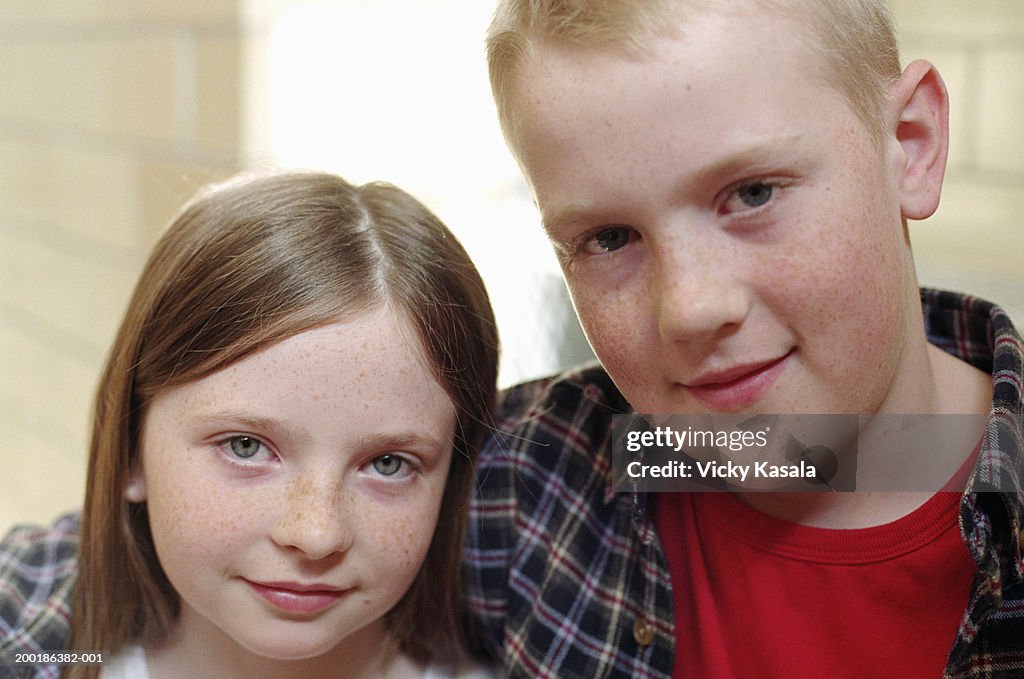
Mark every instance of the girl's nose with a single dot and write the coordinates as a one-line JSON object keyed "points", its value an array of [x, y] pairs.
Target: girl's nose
{"points": [[315, 518]]}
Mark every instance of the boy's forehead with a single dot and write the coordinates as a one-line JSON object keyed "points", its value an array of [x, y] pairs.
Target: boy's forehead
{"points": [[570, 62], [716, 96], [585, 96]]}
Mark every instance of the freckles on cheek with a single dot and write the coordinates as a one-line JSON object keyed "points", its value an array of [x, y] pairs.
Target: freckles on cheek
{"points": [[867, 292], [190, 511], [405, 541], [413, 541], [613, 347], [629, 355], [611, 324]]}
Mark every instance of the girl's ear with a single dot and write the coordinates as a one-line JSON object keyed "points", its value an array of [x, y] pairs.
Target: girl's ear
{"points": [[135, 489], [919, 109]]}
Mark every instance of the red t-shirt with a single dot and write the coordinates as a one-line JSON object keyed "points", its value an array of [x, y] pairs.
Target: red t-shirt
{"points": [[760, 597]]}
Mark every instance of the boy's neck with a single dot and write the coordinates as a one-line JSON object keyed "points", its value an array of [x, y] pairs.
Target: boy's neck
{"points": [[949, 387], [961, 388]]}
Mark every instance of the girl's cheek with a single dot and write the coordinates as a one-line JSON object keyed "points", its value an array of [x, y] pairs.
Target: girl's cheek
{"points": [[195, 509], [406, 537]]}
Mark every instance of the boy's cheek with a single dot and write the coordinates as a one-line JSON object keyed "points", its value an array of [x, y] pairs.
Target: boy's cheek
{"points": [[611, 319], [623, 334]]}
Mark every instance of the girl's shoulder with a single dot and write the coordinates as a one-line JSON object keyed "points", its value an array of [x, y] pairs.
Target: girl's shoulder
{"points": [[37, 576]]}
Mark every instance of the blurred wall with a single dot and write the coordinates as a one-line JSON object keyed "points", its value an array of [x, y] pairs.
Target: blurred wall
{"points": [[975, 242], [111, 113]]}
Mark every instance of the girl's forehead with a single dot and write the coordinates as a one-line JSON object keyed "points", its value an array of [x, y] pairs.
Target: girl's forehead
{"points": [[363, 375], [360, 338]]}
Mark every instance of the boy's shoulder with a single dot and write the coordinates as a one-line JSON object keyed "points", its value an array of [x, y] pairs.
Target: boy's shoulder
{"points": [[37, 576], [579, 387], [970, 328], [553, 424]]}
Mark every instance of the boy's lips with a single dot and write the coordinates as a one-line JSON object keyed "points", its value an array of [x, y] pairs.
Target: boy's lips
{"points": [[736, 387], [294, 597]]}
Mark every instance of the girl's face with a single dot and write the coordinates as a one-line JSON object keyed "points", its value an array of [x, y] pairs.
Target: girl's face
{"points": [[293, 495]]}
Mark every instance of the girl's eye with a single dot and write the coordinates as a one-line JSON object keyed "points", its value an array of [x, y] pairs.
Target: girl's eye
{"points": [[608, 239], [244, 447], [388, 465], [749, 196]]}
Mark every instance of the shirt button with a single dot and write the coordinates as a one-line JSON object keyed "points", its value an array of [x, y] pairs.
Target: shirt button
{"points": [[643, 633]]}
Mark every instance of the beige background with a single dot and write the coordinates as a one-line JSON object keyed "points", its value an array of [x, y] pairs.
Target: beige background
{"points": [[113, 112]]}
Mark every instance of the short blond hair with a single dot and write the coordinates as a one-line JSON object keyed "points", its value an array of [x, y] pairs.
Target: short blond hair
{"points": [[855, 40]]}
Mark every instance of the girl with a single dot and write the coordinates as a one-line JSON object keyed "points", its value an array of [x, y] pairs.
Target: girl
{"points": [[292, 404]]}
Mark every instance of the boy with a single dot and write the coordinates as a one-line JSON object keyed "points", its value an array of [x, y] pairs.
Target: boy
{"points": [[727, 187]]}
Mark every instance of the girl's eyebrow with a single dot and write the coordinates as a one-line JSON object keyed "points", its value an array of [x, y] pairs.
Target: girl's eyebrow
{"points": [[249, 421], [396, 441]]}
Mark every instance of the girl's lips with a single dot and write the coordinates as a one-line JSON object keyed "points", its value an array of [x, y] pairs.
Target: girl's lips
{"points": [[296, 597], [737, 387]]}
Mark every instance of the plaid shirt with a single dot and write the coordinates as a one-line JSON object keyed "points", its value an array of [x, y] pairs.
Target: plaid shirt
{"points": [[37, 576], [567, 579]]}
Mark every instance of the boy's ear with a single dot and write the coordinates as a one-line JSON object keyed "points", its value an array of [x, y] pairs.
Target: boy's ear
{"points": [[919, 109], [135, 489]]}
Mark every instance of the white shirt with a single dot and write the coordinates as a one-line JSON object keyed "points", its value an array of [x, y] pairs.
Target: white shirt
{"points": [[130, 663]]}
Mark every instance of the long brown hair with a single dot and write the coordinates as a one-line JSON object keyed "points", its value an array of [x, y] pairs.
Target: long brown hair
{"points": [[244, 265]]}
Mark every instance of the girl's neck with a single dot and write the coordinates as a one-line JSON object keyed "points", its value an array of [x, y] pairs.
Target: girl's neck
{"points": [[199, 649]]}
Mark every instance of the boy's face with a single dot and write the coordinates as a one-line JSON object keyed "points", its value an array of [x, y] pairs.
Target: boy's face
{"points": [[730, 234]]}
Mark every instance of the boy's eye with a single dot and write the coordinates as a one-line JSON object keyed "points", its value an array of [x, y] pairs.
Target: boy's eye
{"points": [[749, 196], [608, 239], [387, 465], [244, 447]]}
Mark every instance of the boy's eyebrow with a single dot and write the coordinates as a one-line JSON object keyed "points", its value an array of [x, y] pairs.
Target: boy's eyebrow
{"points": [[564, 217], [757, 155]]}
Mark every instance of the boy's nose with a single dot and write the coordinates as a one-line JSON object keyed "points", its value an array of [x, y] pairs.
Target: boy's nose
{"points": [[315, 518], [697, 299]]}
